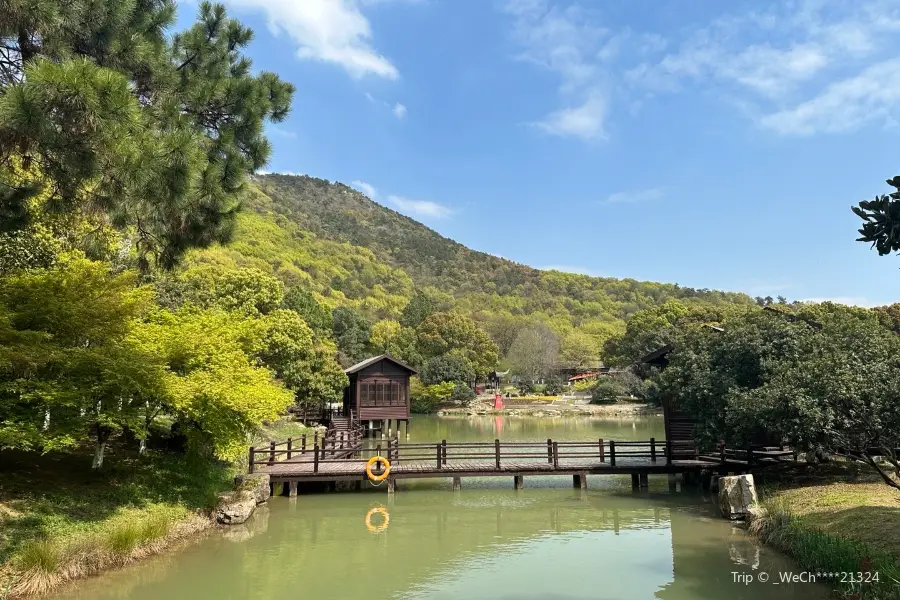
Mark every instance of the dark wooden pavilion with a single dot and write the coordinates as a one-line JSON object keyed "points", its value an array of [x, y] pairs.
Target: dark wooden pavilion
{"points": [[378, 393]]}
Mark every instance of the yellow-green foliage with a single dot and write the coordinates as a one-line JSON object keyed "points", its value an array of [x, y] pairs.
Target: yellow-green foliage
{"points": [[426, 398], [211, 378]]}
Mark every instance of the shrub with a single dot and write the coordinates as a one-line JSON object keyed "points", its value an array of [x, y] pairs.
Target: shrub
{"points": [[462, 394], [424, 399], [554, 387], [606, 391]]}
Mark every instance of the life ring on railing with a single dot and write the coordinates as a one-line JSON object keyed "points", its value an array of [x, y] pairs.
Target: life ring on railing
{"points": [[385, 519], [372, 462]]}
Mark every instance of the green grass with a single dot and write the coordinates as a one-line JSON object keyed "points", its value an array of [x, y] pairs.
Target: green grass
{"points": [[59, 519], [833, 518]]}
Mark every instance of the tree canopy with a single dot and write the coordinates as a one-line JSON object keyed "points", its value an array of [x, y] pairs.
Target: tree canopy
{"points": [[103, 113]]}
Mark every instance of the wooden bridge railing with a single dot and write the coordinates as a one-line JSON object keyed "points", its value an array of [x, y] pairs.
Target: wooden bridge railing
{"points": [[339, 445], [438, 453]]}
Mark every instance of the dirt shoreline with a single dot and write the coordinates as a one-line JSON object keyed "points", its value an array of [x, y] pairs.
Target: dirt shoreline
{"points": [[559, 410]]}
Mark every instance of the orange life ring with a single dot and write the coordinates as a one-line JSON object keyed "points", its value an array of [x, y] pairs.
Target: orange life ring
{"points": [[372, 462], [385, 517]]}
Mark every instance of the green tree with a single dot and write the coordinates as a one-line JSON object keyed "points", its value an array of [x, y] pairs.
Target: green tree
{"points": [[111, 116], [304, 361], [824, 384], [351, 331], [215, 388], [420, 307], [68, 371], [578, 349], [247, 291], [881, 217], [453, 333], [535, 352], [389, 337], [447, 367], [305, 304]]}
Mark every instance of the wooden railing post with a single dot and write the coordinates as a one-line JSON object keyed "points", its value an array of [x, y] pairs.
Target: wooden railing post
{"points": [[555, 455], [549, 451], [316, 458], [653, 449], [389, 456], [303, 444], [443, 452], [497, 452], [602, 458], [250, 465], [668, 452], [437, 448], [612, 453], [722, 452], [289, 447], [271, 452], [749, 456]]}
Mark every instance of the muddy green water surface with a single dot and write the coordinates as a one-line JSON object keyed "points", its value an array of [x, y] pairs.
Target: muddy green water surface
{"points": [[488, 541]]}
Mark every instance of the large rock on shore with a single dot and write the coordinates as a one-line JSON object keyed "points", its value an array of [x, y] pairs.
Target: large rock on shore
{"points": [[256, 483], [737, 495], [236, 507]]}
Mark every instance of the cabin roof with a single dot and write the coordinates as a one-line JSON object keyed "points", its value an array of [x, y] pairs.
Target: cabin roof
{"points": [[371, 361], [658, 353]]}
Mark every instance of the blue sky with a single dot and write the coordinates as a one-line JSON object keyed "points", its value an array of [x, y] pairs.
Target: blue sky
{"points": [[713, 144]]}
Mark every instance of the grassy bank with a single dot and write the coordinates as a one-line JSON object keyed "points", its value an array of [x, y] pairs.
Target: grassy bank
{"points": [[834, 519], [60, 520]]}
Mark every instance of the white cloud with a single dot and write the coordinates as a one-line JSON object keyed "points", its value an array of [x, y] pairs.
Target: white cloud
{"points": [[848, 300], [333, 31], [635, 197], [844, 105], [420, 208], [397, 109], [797, 67], [584, 121], [366, 188], [568, 43], [571, 269], [281, 132]]}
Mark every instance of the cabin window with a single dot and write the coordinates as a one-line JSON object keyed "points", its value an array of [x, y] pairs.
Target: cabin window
{"points": [[382, 393]]}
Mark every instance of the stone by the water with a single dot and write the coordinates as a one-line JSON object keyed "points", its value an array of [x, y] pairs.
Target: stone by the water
{"points": [[236, 507], [737, 495], [256, 483]]}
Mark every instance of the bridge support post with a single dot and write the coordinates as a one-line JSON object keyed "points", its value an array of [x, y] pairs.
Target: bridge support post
{"points": [[672, 486], [644, 481], [580, 481], [290, 489], [457, 484], [635, 482], [705, 480], [391, 485], [519, 482]]}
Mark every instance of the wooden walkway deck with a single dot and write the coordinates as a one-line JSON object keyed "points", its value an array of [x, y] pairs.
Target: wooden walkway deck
{"points": [[501, 459]]}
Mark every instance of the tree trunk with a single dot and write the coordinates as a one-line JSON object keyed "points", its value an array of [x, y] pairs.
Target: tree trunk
{"points": [[98, 455], [142, 446]]}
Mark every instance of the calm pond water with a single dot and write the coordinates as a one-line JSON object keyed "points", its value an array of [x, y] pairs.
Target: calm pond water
{"points": [[486, 542]]}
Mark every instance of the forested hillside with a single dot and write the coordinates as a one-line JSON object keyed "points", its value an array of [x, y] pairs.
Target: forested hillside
{"points": [[335, 247], [337, 212]]}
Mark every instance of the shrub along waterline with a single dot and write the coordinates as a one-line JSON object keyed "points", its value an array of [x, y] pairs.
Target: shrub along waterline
{"points": [[870, 573]]}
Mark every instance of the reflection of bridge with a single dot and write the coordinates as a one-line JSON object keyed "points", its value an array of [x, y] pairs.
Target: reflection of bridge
{"points": [[286, 463]]}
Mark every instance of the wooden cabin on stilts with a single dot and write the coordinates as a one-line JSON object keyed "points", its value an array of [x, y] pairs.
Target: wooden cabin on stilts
{"points": [[378, 395]]}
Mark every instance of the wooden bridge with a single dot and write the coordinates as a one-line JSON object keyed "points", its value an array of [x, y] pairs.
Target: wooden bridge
{"points": [[342, 457]]}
